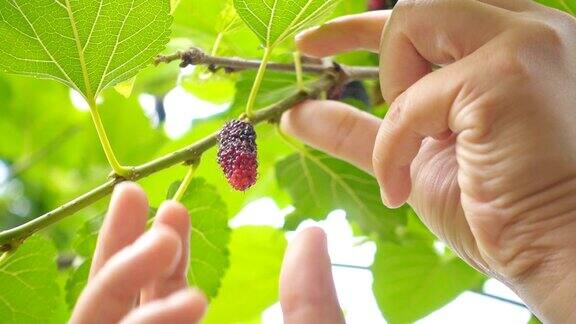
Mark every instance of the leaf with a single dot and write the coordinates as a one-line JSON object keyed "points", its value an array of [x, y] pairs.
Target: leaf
{"points": [[229, 19], [88, 45], [217, 88], [84, 245], [251, 284], [29, 290], [565, 5], [125, 87], [76, 282], [275, 87], [274, 21], [319, 184], [209, 256], [202, 21], [534, 320], [412, 279]]}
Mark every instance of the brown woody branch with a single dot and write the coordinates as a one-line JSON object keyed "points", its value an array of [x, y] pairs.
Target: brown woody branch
{"points": [[195, 56]]}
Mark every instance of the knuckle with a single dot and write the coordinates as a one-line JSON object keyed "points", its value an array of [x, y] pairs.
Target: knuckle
{"points": [[345, 128], [544, 33], [407, 6], [510, 63]]}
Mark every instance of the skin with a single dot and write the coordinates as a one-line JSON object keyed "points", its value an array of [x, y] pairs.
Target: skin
{"points": [[483, 148], [139, 276]]}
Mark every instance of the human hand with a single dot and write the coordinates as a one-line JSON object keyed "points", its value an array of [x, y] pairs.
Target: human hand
{"points": [[139, 277], [483, 148]]}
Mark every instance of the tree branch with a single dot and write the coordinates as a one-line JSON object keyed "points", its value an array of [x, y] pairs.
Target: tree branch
{"points": [[195, 56], [12, 238], [501, 299]]}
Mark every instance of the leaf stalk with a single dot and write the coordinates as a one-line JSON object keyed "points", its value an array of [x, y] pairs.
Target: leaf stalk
{"points": [[185, 182], [106, 146], [258, 82]]}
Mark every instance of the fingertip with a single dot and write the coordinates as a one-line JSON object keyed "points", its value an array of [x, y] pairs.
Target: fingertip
{"points": [[396, 187], [167, 246], [314, 235], [290, 119], [193, 300], [344, 34], [173, 214], [124, 223], [198, 298], [129, 192], [306, 42]]}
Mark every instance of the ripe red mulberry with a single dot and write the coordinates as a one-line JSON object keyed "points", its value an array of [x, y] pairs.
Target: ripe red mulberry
{"points": [[237, 154]]}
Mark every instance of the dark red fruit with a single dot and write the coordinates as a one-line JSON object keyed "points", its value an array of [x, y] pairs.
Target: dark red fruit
{"points": [[377, 4], [237, 154]]}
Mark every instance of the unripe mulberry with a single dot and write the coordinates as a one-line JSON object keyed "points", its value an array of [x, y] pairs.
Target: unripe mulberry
{"points": [[237, 154]]}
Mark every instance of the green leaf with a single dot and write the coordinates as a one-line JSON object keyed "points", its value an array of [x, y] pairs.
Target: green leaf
{"points": [[76, 282], [274, 21], [88, 45], [319, 184], [229, 19], [251, 283], [125, 87], [217, 88], [565, 5], [84, 245], [412, 279], [29, 290], [534, 320], [209, 256], [275, 87]]}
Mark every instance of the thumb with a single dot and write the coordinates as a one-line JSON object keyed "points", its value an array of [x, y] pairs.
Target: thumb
{"points": [[307, 292]]}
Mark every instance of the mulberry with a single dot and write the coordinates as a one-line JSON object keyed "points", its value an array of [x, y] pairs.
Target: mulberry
{"points": [[237, 154]]}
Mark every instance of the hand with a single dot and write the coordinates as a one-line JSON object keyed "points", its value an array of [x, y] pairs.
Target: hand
{"points": [[482, 148], [140, 278]]}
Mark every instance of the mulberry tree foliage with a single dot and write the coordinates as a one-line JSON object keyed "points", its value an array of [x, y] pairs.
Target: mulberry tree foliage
{"points": [[53, 50]]}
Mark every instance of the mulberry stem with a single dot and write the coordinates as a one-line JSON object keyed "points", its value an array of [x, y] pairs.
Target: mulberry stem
{"points": [[258, 83], [298, 68], [185, 182], [108, 151]]}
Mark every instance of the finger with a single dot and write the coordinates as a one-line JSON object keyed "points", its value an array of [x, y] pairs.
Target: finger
{"points": [[424, 33], [113, 291], [344, 34], [175, 216], [186, 307], [307, 293], [424, 110], [124, 223], [516, 5], [335, 128]]}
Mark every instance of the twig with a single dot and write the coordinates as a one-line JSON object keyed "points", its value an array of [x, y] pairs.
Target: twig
{"points": [[195, 56], [499, 298], [12, 238], [351, 266]]}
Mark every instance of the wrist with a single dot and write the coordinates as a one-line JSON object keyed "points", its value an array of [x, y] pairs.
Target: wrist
{"points": [[551, 296], [549, 287]]}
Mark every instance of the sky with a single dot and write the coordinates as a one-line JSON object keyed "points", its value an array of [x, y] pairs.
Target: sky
{"points": [[354, 286]]}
